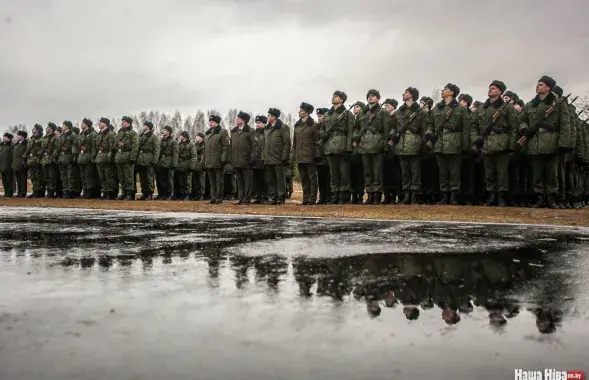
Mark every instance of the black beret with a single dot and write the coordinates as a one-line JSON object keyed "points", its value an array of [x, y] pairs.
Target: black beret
{"points": [[149, 124], [52, 126], [454, 88], [215, 118], [68, 124], [9, 135], [373, 92], [169, 129], [341, 94], [500, 85], [200, 134], [244, 116], [307, 107], [477, 104], [262, 119], [87, 121], [105, 120], [185, 134], [360, 104], [127, 119], [22, 133], [414, 92], [558, 91], [274, 112], [76, 130], [38, 127], [322, 111], [392, 102], [467, 98], [548, 81]]}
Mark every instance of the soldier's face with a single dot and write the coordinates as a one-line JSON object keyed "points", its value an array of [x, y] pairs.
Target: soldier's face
{"points": [[65, 128], [406, 96], [103, 126], [271, 118], [20, 138], [473, 109], [389, 108], [421, 104], [5, 139], [518, 108], [259, 124], [463, 103], [446, 92], [356, 110], [213, 124], [145, 128], [239, 122], [336, 100], [320, 118], [542, 89], [303, 114], [372, 99], [125, 124], [166, 133], [493, 92]]}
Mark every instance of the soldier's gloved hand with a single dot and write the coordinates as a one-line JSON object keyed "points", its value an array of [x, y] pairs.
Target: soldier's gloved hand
{"points": [[395, 138], [479, 142], [223, 163], [564, 150], [545, 125], [527, 132], [286, 162], [317, 160], [347, 156]]}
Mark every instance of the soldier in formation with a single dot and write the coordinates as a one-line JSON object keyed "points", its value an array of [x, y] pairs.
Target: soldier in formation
{"points": [[459, 151]]}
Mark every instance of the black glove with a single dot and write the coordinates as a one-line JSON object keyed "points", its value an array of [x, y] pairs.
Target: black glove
{"points": [[286, 162], [564, 150], [543, 124], [395, 138], [347, 156], [528, 132], [318, 160], [223, 163], [479, 142]]}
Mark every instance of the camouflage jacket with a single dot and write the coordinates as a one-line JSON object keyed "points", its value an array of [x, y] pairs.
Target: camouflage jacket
{"points": [[127, 145], [446, 123], [374, 129], [66, 152], [187, 156], [105, 147], [86, 146], [34, 150], [48, 149], [149, 149], [413, 122], [261, 138], [337, 131], [168, 153], [501, 136]]}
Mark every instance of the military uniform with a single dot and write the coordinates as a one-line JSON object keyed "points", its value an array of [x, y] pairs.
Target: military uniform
{"points": [[33, 159], [430, 180], [444, 132], [391, 167], [276, 157], [48, 158], [187, 159], [168, 161], [19, 165], [566, 164], [6, 156], [215, 157], [244, 151], [497, 136], [544, 138], [375, 127], [356, 166], [304, 151], [580, 159], [259, 181], [76, 171], [127, 145], [65, 152], [336, 137], [86, 147], [104, 157], [198, 175], [408, 133], [148, 158]]}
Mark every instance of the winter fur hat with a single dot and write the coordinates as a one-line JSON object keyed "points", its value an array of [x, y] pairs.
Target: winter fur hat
{"points": [[105, 120], [215, 118], [88, 122], [392, 102], [244, 116], [149, 125], [558, 91], [169, 129], [68, 124], [39, 128], [307, 107], [185, 134], [548, 81], [373, 92], [9, 135], [52, 126], [127, 119], [414, 93], [22, 133], [500, 85], [262, 119], [321, 111], [454, 88], [274, 112], [341, 94]]}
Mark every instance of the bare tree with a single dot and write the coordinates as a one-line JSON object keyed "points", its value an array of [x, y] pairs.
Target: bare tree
{"points": [[199, 121], [436, 95], [583, 106], [176, 121]]}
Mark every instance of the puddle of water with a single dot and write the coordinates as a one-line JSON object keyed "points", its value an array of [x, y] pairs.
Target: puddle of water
{"points": [[145, 295]]}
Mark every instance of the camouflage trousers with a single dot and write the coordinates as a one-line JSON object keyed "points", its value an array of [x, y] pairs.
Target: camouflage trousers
{"points": [[449, 166], [164, 181], [126, 172], [184, 181], [88, 176], [373, 172], [37, 180], [356, 176], [497, 172], [198, 184], [339, 173], [411, 173], [66, 173], [545, 173], [106, 175], [146, 179], [51, 177]]}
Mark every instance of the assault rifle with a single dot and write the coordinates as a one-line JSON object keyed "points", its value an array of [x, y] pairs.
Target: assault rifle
{"points": [[366, 126], [522, 141], [334, 126], [405, 126], [441, 126]]}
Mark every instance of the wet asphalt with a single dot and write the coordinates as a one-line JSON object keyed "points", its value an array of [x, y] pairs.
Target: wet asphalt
{"points": [[88, 294]]}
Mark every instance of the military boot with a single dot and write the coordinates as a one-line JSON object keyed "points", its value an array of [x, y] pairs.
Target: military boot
{"points": [[501, 199], [387, 199], [444, 200], [539, 201], [129, 196], [454, 198], [550, 202], [406, 198], [576, 204], [344, 198], [359, 197], [491, 199], [377, 198], [567, 203], [334, 198], [415, 198], [370, 199]]}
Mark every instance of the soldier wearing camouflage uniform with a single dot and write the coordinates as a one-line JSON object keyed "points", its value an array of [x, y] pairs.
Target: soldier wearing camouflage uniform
{"points": [[104, 157], [65, 151], [336, 137], [445, 126], [168, 161], [566, 162], [430, 181], [19, 164], [34, 153], [304, 152], [323, 179], [370, 140], [545, 135], [198, 175], [243, 152], [479, 182], [494, 130], [187, 158], [260, 188], [276, 156], [215, 157], [468, 157], [391, 164], [127, 145], [76, 171], [407, 134], [356, 165], [148, 158], [579, 155], [515, 157], [6, 155], [86, 147], [50, 171]]}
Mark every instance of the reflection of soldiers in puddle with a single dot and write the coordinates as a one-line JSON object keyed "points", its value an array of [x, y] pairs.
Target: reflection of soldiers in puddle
{"points": [[547, 318], [372, 306], [334, 279], [411, 312], [303, 270], [240, 265], [270, 269]]}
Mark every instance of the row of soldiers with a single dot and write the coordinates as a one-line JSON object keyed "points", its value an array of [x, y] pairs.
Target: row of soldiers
{"points": [[457, 151]]}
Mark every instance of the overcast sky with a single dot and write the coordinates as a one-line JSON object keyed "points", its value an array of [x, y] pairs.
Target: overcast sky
{"points": [[69, 59]]}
